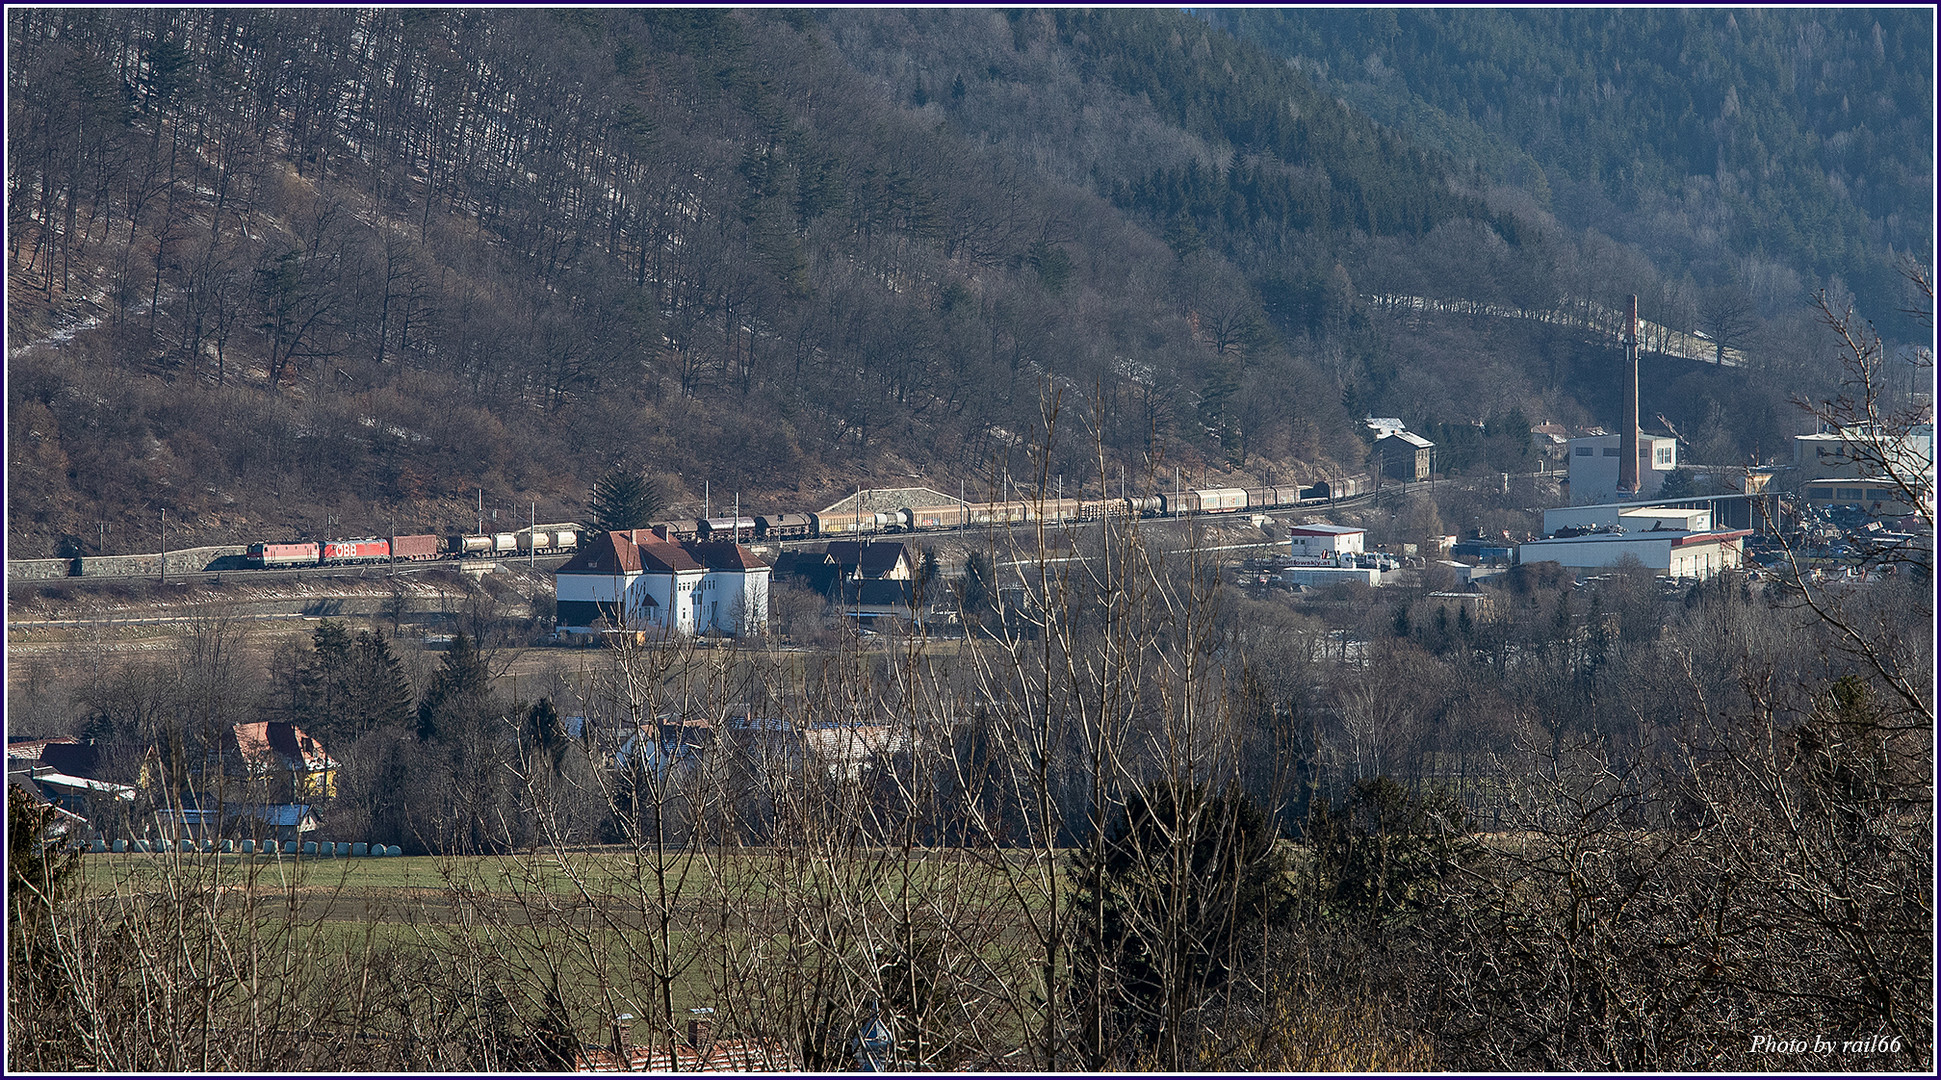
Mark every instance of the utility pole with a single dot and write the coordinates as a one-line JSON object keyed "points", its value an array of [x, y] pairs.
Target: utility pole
{"points": [[481, 510], [532, 538], [165, 547]]}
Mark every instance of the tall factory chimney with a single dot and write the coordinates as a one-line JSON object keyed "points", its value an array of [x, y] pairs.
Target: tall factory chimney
{"points": [[1627, 483]]}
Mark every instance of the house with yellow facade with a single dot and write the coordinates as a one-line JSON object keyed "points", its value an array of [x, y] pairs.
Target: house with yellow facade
{"points": [[276, 750]]}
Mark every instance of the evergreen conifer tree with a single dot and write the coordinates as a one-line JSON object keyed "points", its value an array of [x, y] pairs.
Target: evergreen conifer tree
{"points": [[623, 499]]}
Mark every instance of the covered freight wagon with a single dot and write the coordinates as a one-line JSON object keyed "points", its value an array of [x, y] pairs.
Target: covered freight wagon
{"points": [[1007, 513], [840, 524], [933, 517], [1269, 497], [1207, 501], [738, 529], [1058, 510], [420, 546], [785, 526]]}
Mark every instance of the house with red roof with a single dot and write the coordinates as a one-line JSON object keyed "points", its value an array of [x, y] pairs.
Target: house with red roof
{"points": [[277, 749], [640, 580]]}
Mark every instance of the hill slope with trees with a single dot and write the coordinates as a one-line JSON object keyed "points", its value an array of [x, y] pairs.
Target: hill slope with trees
{"points": [[280, 272], [1762, 152]]}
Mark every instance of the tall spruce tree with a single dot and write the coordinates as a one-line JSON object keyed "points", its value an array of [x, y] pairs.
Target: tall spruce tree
{"points": [[349, 685], [459, 693], [624, 499]]}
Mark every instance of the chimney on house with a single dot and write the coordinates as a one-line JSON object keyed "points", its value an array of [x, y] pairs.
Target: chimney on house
{"points": [[1627, 482], [700, 1030]]}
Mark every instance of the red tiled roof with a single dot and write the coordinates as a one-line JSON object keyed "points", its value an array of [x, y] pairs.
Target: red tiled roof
{"points": [[273, 742], [605, 553], [657, 554], [725, 555], [641, 551], [29, 749]]}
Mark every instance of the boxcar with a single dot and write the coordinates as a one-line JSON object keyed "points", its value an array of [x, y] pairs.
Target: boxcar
{"points": [[1005, 513], [853, 523], [785, 526], [949, 516], [422, 546], [680, 528], [1207, 501], [1269, 497], [740, 529], [1058, 510]]}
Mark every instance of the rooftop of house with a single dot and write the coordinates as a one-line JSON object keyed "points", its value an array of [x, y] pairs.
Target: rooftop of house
{"points": [[725, 555], [605, 553], [31, 749], [667, 557], [642, 552], [873, 558], [271, 742]]}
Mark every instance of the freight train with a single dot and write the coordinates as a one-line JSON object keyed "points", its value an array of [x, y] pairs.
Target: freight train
{"points": [[796, 525], [551, 540], [955, 515]]}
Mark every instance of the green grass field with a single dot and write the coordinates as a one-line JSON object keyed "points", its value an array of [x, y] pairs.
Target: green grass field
{"points": [[593, 919]]}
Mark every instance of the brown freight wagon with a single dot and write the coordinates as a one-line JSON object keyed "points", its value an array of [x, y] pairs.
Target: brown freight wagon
{"points": [[423, 546]]}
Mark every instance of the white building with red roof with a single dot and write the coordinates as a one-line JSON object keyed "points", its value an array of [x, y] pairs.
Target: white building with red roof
{"points": [[642, 581]]}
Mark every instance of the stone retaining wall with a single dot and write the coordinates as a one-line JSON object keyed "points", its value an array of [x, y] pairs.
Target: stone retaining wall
{"points": [[185, 561]]}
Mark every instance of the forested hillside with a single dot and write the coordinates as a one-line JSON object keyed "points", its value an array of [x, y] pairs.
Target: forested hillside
{"points": [[1762, 151], [301, 271]]}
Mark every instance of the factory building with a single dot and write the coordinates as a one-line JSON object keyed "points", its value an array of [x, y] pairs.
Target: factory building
{"points": [[1670, 552], [1879, 498], [1634, 517], [1323, 544], [1853, 453], [1594, 466]]}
